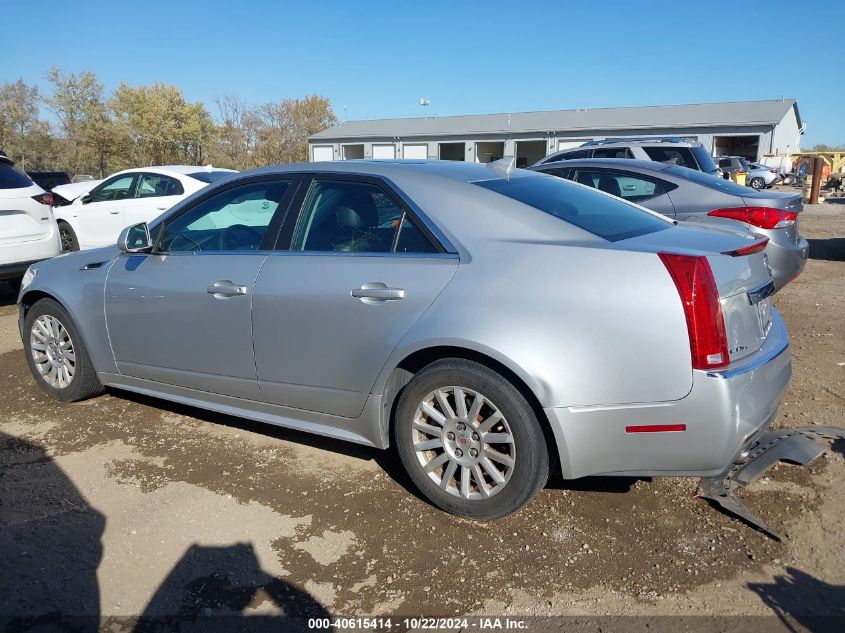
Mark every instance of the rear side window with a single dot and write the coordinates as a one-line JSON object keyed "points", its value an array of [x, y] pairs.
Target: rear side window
{"points": [[156, 185], [625, 185], [675, 155], [11, 178], [612, 152], [581, 153], [210, 176], [606, 217], [705, 160], [725, 163]]}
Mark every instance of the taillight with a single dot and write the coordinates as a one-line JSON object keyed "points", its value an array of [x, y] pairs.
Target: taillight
{"points": [[700, 298], [773, 171], [762, 217], [44, 198], [756, 247]]}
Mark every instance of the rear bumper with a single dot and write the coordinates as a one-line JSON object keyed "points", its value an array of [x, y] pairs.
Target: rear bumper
{"points": [[787, 259], [724, 413], [16, 257]]}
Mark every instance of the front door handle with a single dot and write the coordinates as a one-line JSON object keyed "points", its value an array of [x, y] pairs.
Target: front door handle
{"points": [[117, 212], [225, 288], [377, 292]]}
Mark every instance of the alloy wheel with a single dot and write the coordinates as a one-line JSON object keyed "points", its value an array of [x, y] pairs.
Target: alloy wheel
{"points": [[463, 442], [66, 240], [53, 352]]}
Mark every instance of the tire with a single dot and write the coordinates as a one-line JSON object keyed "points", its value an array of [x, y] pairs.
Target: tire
{"points": [[757, 183], [68, 238], [498, 496], [48, 325]]}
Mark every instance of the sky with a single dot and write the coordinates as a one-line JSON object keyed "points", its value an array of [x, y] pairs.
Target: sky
{"points": [[376, 59]]}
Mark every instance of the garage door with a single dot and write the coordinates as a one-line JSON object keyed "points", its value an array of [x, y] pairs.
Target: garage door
{"points": [[384, 151], [561, 145], [323, 152], [415, 151]]}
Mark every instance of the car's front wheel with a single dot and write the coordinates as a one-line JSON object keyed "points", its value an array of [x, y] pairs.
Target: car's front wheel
{"points": [[68, 238], [469, 440], [757, 183], [56, 355]]}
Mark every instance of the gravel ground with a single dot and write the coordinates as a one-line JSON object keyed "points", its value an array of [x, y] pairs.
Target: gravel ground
{"points": [[124, 505]]}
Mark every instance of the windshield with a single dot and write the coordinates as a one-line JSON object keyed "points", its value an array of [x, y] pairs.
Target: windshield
{"points": [[714, 182], [601, 215], [210, 176]]}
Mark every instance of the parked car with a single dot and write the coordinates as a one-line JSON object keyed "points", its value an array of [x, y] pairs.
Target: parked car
{"points": [[690, 196], [733, 165], [66, 194], [49, 179], [761, 176], [486, 320], [28, 230], [82, 178], [127, 197], [673, 150]]}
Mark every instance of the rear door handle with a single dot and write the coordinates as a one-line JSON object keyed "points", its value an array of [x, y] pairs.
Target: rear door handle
{"points": [[378, 292], [225, 288], [116, 212]]}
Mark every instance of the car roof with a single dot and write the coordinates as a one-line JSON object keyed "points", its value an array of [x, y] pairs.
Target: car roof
{"points": [[454, 170], [181, 170], [621, 163]]}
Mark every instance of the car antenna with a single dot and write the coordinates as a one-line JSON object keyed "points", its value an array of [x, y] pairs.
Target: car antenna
{"points": [[504, 165]]}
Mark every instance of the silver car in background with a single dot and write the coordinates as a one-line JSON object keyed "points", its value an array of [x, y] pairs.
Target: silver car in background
{"points": [[690, 196], [486, 321], [761, 176]]}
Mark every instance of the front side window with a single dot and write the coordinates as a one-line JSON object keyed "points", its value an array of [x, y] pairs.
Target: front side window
{"points": [[355, 217], [117, 188], [233, 220], [625, 185], [157, 185], [606, 217], [673, 155]]}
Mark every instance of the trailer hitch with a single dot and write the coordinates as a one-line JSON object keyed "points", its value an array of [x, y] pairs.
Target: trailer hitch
{"points": [[798, 446]]}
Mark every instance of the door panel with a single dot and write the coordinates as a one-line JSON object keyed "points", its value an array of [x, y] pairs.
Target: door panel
{"points": [[318, 347], [100, 220], [164, 325]]}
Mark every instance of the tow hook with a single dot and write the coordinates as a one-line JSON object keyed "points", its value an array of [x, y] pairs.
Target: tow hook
{"points": [[798, 446]]}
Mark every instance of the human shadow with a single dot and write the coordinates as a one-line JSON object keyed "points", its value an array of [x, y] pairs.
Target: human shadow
{"points": [[49, 544], [804, 603], [50, 550], [212, 588], [831, 249]]}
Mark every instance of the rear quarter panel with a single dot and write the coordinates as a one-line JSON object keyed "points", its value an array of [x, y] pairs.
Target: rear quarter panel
{"points": [[581, 325]]}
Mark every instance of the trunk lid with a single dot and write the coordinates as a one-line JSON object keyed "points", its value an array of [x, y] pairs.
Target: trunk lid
{"points": [[22, 219]]}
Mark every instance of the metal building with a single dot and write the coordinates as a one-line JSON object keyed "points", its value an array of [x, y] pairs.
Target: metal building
{"points": [[744, 128]]}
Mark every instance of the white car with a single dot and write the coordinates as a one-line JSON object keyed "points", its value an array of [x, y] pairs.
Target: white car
{"points": [[126, 198], [66, 194], [28, 231]]}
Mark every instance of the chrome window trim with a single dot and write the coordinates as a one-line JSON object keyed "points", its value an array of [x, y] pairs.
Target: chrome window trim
{"points": [[364, 254]]}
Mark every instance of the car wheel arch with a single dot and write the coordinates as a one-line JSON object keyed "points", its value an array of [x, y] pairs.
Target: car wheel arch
{"points": [[415, 361], [31, 297]]}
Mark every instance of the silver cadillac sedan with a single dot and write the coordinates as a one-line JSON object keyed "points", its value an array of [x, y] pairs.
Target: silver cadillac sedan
{"points": [[490, 323]]}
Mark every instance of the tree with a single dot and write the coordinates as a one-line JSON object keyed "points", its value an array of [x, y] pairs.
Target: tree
{"points": [[285, 128], [18, 119]]}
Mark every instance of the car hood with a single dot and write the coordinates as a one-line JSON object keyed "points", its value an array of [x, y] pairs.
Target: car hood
{"points": [[75, 189]]}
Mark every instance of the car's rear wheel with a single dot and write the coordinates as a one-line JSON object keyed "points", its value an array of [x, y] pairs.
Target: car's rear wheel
{"points": [[757, 183], [56, 355], [469, 440], [68, 238]]}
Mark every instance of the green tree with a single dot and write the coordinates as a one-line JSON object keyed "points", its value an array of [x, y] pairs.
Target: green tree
{"points": [[18, 119]]}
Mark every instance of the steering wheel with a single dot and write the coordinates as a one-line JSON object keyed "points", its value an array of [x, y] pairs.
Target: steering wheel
{"points": [[239, 237]]}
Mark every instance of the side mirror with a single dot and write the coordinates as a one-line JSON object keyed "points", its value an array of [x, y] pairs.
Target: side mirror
{"points": [[85, 199], [135, 239]]}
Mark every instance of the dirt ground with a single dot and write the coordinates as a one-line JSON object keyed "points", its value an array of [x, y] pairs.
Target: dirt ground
{"points": [[124, 505]]}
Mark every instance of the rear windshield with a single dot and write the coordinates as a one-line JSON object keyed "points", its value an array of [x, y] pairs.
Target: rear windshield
{"points": [[705, 160], [601, 215], [210, 176], [11, 178], [714, 182]]}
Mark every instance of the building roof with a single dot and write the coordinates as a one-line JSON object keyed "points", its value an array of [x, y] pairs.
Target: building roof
{"points": [[735, 113]]}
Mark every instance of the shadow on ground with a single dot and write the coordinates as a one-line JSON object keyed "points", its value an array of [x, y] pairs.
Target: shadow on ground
{"points": [[832, 249], [8, 294], [803, 602], [50, 549]]}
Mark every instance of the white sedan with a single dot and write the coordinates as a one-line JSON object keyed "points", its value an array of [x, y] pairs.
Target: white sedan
{"points": [[128, 197]]}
